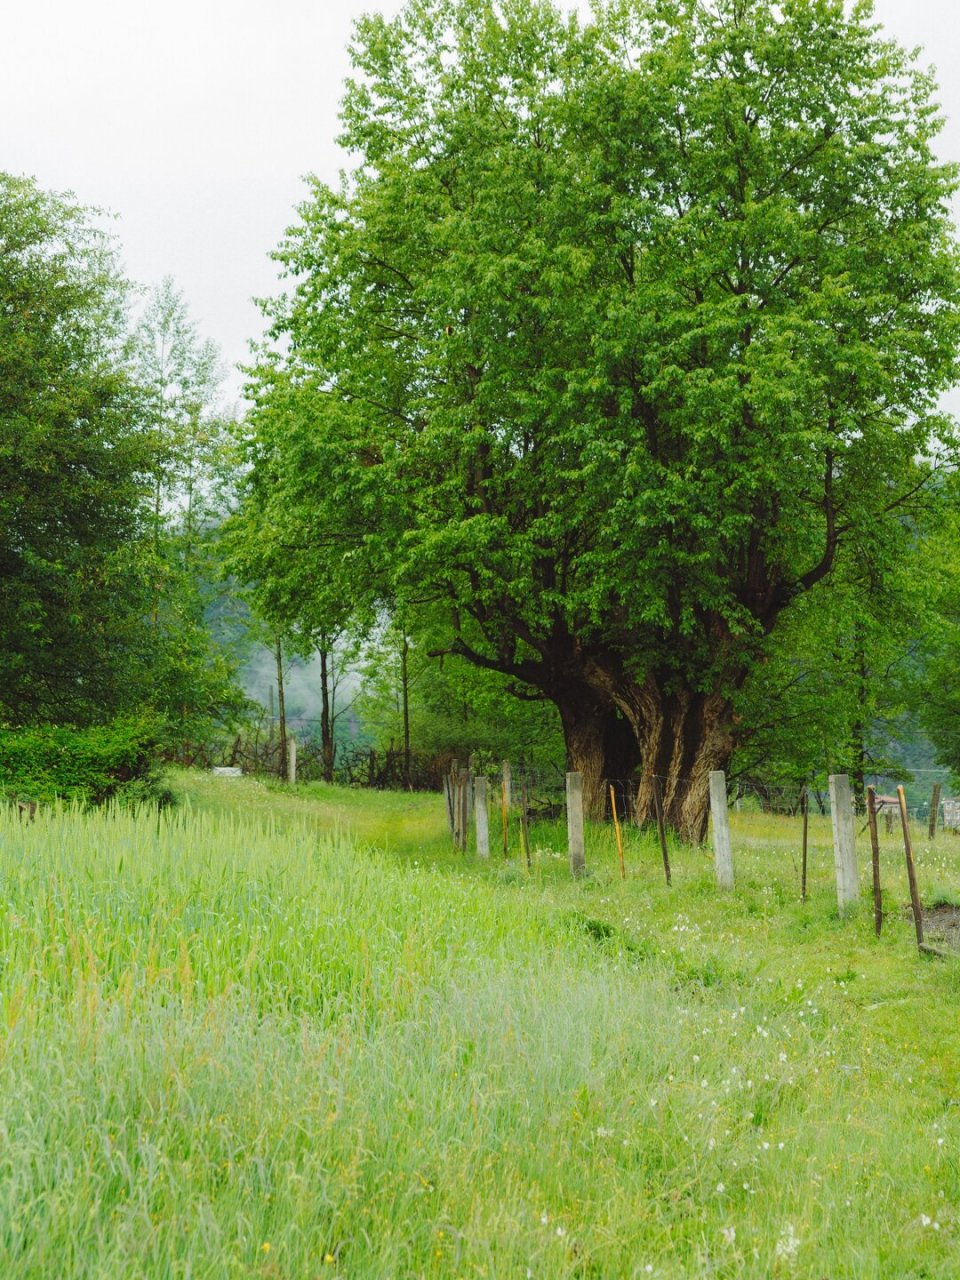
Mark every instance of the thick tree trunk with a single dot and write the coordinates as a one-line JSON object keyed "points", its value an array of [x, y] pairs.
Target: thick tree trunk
{"points": [[600, 747], [681, 737], [690, 737]]}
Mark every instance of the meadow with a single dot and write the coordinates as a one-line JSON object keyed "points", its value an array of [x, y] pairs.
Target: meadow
{"points": [[290, 1035]]}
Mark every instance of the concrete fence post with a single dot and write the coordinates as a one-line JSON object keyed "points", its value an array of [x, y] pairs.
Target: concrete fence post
{"points": [[575, 823], [482, 817], [722, 852], [844, 855]]}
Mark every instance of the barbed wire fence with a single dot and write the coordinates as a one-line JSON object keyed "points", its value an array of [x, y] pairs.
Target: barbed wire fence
{"points": [[539, 798]]}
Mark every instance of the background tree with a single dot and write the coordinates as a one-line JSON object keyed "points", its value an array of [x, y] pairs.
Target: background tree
{"points": [[453, 709], [836, 689], [934, 694], [190, 677], [618, 339], [76, 450]]}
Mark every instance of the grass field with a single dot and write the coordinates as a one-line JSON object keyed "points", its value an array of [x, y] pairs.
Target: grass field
{"points": [[291, 1035]]}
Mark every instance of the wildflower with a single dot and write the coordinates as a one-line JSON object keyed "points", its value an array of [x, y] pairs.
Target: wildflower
{"points": [[788, 1244], [729, 1234]]}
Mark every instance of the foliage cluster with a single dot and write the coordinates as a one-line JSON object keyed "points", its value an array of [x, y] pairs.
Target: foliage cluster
{"points": [[94, 765], [617, 339], [75, 451], [108, 451]]}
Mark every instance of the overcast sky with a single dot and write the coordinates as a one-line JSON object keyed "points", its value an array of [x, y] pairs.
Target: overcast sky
{"points": [[194, 121]]}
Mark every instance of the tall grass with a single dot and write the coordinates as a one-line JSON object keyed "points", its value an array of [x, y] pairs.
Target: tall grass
{"points": [[242, 1040]]}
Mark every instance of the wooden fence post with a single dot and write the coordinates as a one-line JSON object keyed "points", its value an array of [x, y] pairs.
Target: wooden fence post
{"points": [[911, 869], [844, 855], [934, 812], [455, 802], [617, 831], [524, 824], [575, 823], [481, 816], [661, 829], [448, 799], [464, 809], [505, 806], [291, 760], [471, 773], [806, 828], [875, 859], [722, 853]]}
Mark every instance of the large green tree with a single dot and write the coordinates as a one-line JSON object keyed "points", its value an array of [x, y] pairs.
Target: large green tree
{"points": [[615, 340], [75, 450]]}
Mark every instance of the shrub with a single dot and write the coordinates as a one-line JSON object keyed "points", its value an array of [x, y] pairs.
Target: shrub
{"points": [[117, 761]]}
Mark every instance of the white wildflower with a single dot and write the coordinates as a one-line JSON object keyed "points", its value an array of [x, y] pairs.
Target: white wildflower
{"points": [[788, 1244]]}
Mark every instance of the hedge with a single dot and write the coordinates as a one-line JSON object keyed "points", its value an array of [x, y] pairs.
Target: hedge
{"points": [[118, 761]]}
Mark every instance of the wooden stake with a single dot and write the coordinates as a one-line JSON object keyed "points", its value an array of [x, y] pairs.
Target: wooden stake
{"points": [[455, 802], [505, 806], [911, 870], [805, 806], [464, 808], [524, 825], [616, 827], [448, 800], [661, 829], [934, 812], [875, 853]]}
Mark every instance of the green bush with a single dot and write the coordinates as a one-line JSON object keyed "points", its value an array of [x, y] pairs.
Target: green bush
{"points": [[118, 761]]}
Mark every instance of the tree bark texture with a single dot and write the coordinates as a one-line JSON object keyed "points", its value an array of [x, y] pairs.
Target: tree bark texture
{"points": [[600, 746], [681, 737], [327, 747]]}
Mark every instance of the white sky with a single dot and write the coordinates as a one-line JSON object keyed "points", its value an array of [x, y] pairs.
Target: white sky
{"points": [[195, 120]]}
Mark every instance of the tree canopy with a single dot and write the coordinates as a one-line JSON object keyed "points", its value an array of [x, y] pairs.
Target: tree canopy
{"points": [[74, 453], [617, 338], [107, 451]]}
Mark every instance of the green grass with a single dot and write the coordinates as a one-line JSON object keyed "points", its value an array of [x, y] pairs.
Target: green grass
{"points": [[292, 1035]]}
